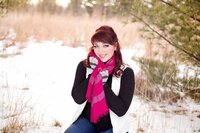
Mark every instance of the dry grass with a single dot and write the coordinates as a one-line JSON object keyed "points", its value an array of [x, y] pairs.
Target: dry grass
{"points": [[18, 119], [72, 30], [56, 124], [15, 125], [17, 115]]}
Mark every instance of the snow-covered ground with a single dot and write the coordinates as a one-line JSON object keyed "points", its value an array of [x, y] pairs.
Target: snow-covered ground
{"points": [[36, 86]]}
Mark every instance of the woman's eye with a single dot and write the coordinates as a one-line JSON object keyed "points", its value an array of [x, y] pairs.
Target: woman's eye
{"points": [[106, 45], [94, 46]]}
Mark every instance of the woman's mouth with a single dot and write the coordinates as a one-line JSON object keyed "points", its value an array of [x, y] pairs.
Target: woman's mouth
{"points": [[102, 56]]}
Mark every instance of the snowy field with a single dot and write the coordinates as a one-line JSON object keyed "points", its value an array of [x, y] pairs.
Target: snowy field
{"points": [[35, 87]]}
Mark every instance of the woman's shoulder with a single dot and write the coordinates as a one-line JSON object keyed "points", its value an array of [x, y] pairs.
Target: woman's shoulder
{"points": [[82, 64], [127, 70]]}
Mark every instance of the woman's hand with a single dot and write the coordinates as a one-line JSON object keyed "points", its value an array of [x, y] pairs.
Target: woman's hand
{"points": [[93, 62]]}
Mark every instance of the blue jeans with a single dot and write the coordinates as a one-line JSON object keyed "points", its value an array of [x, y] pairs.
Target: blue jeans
{"points": [[82, 125]]}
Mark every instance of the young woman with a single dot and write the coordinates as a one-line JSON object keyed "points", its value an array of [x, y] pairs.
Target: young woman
{"points": [[103, 87]]}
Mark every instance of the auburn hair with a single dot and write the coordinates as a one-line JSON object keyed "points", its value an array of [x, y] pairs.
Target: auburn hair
{"points": [[106, 34]]}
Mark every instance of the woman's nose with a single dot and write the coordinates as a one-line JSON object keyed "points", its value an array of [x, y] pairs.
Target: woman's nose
{"points": [[100, 50]]}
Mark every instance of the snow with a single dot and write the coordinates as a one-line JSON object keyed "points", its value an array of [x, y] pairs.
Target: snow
{"points": [[186, 71], [38, 82]]}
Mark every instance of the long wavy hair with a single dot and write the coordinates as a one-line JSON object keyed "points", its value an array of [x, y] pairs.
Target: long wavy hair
{"points": [[106, 34]]}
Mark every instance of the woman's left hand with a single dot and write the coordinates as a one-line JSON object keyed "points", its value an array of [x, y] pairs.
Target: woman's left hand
{"points": [[93, 62]]}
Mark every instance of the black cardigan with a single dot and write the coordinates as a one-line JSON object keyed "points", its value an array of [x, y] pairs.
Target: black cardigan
{"points": [[119, 104]]}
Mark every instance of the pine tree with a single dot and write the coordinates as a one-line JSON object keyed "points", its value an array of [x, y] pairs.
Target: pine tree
{"points": [[176, 21]]}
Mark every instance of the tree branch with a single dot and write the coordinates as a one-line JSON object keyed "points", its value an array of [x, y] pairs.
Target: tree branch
{"points": [[167, 40], [170, 4]]}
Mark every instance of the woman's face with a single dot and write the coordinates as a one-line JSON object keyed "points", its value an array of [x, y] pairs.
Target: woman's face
{"points": [[104, 50]]}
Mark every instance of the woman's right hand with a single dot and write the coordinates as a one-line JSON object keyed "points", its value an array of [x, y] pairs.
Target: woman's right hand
{"points": [[93, 62]]}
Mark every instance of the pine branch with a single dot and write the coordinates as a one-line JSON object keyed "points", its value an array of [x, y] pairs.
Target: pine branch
{"points": [[166, 39], [173, 6]]}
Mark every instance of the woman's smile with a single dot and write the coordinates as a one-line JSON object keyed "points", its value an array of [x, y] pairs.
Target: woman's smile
{"points": [[101, 56]]}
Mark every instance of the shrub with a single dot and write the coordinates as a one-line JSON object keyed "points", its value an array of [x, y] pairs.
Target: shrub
{"points": [[160, 81], [157, 72], [157, 80]]}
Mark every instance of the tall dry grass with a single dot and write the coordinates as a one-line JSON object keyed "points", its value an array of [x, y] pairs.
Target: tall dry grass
{"points": [[73, 30]]}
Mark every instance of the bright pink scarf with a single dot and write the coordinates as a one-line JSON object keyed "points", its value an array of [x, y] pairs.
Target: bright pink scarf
{"points": [[95, 91]]}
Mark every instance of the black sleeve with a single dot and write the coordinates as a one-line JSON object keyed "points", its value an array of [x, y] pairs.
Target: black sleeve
{"points": [[80, 84], [120, 104]]}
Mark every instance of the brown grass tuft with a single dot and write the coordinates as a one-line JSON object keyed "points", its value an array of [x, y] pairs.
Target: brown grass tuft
{"points": [[72, 30]]}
